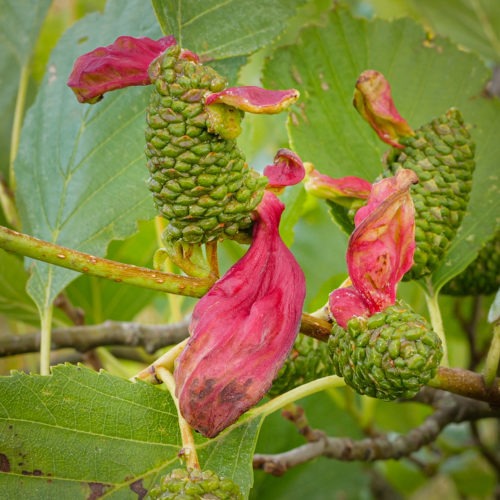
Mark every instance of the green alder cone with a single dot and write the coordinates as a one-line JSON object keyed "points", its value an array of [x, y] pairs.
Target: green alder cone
{"points": [[441, 153], [389, 355], [482, 276], [308, 360], [199, 180], [182, 484]]}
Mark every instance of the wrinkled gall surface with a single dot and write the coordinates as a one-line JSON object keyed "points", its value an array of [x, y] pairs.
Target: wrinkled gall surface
{"points": [[441, 153], [199, 179], [242, 330], [389, 355], [380, 250]]}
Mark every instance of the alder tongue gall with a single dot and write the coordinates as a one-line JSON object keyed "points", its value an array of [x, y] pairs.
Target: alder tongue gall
{"points": [[242, 330]]}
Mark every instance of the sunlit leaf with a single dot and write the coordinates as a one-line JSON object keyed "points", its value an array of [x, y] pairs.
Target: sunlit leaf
{"points": [[20, 22], [14, 301], [474, 24], [77, 433], [426, 78], [80, 169]]}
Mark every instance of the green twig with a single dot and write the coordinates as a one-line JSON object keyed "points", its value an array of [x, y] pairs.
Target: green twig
{"points": [[295, 394], [436, 320], [493, 357], [29, 246], [466, 383]]}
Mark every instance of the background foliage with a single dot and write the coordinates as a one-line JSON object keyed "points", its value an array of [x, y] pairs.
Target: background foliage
{"points": [[78, 173]]}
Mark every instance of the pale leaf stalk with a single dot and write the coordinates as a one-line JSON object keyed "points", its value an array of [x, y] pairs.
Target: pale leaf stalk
{"points": [[300, 392], [174, 301], [45, 339], [212, 257], [493, 357], [188, 451], [166, 362], [17, 123], [431, 299], [51, 253]]}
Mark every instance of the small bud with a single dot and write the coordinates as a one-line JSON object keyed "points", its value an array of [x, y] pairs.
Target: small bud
{"points": [[373, 100], [242, 330]]}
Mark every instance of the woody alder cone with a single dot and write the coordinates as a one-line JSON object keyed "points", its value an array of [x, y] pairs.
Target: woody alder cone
{"points": [[308, 360], [199, 180], [195, 484], [441, 153], [482, 275], [389, 355]]}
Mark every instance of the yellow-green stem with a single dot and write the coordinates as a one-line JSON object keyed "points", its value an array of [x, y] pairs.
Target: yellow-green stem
{"points": [[166, 361], [18, 120], [29, 246], [295, 394], [436, 320], [493, 357], [45, 339], [188, 452]]}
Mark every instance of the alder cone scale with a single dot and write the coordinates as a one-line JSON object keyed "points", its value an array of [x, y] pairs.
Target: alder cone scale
{"points": [[441, 153], [308, 360], [199, 180], [482, 275], [182, 484], [389, 355]]}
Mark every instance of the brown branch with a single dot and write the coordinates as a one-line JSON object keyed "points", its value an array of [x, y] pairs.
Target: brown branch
{"points": [[84, 338], [151, 337], [468, 384], [154, 337], [449, 408]]}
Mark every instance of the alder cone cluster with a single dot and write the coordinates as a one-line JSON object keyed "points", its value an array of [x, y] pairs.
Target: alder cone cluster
{"points": [[199, 180], [389, 355], [441, 153], [308, 360], [183, 484], [482, 275]]}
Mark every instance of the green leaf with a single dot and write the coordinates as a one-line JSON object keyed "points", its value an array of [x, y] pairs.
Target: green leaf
{"points": [[87, 184], [77, 433], [426, 79], [474, 24], [20, 23], [15, 303], [218, 29]]}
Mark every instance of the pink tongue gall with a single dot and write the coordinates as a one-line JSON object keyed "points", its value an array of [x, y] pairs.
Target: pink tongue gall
{"points": [[373, 100], [344, 191], [287, 170], [380, 250], [123, 63], [254, 99], [242, 329]]}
